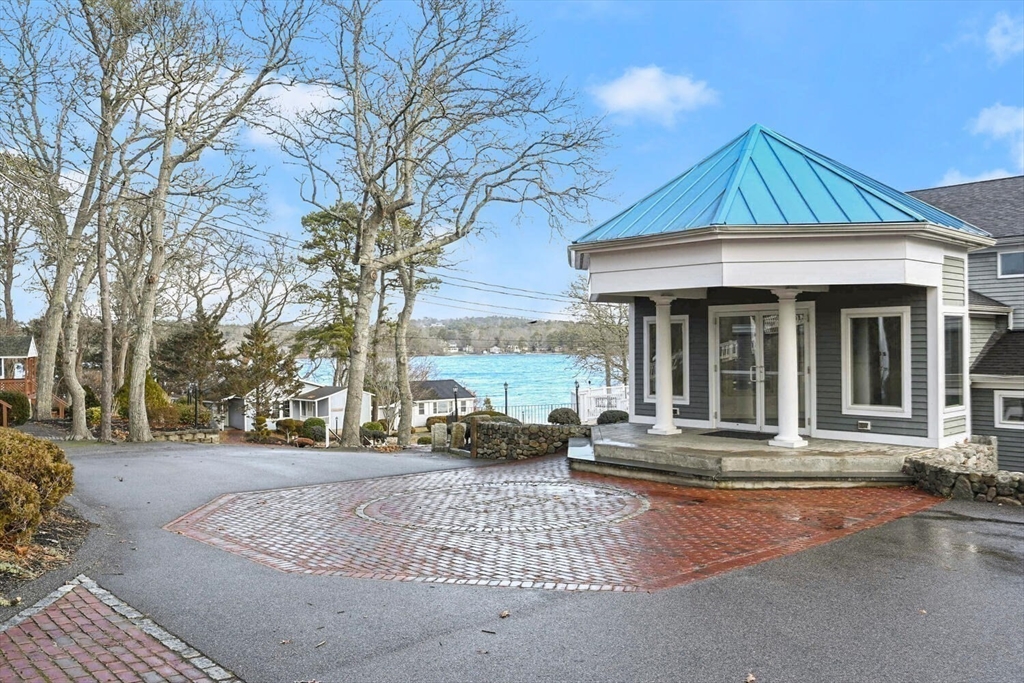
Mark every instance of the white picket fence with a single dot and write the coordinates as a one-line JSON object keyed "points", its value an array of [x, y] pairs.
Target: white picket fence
{"points": [[595, 400]]}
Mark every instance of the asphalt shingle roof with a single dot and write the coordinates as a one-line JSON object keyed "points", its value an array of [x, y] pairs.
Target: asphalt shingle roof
{"points": [[433, 389], [996, 206], [15, 347], [319, 392], [979, 299], [1003, 357]]}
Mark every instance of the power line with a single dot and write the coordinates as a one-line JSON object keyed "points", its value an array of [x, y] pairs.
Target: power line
{"points": [[491, 284], [435, 297], [492, 313]]}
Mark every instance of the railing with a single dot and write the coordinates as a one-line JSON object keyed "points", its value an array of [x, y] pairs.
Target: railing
{"points": [[535, 414], [595, 400], [5, 409]]}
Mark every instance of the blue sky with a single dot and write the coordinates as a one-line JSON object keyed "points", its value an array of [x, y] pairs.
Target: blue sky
{"points": [[914, 94]]}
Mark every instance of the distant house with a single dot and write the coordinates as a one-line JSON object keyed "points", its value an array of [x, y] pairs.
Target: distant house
{"points": [[995, 302], [311, 400], [437, 397], [18, 357]]}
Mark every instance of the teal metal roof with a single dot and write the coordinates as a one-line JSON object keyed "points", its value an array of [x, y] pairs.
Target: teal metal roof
{"points": [[763, 178]]}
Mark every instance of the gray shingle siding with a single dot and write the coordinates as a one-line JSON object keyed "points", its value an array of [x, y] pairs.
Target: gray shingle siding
{"points": [[829, 358], [1009, 290], [697, 409], [982, 329], [954, 425], [953, 290], [1011, 441]]}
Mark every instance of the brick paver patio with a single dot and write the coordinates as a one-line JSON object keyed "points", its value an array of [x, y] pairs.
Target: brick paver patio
{"points": [[533, 525], [82, 633]]}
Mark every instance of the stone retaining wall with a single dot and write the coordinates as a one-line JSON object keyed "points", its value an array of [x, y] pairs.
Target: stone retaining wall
{"points": [[505, 441], [189, 436], [966, 472]]}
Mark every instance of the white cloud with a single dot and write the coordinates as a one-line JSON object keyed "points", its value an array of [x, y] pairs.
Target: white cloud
{"points": [[1005, 38], [955, 177], [289, 102], [650, 92], [1000, 122]]}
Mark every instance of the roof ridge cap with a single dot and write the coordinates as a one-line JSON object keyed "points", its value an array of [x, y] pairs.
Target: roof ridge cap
{"points": [[737, 173]]}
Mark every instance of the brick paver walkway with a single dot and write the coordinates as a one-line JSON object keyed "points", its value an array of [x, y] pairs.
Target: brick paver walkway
{"points": [[533, 525], [82, 633]]}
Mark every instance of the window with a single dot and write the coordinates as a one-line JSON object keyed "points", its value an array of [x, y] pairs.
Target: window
{"points": [[954, 361], [423, 408], [876, 361], [1010, 264], [1009, 407], [680, 358]]}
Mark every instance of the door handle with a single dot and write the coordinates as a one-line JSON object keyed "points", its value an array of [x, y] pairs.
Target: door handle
{"points": [[753, 374]]}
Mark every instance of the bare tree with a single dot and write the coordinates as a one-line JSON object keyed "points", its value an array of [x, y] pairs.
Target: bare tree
{"points": [[72, 322], [20, 216], [434, 113], [602, 341]]}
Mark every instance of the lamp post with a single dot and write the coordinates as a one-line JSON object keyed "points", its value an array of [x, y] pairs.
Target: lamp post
{"points": [[506, 398], [455, 393], [577, 396]]}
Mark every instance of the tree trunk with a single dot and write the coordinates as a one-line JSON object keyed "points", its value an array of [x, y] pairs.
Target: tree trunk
{"points": [[358, 352], [121, 367], [79, 427], [406, 275], [50, 337], [9, 289], [107, 362]]}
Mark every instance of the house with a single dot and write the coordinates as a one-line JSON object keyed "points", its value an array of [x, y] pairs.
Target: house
{"points": [[309, 400], [437, 397], [18, 358], [996, 308], [795, 297]]}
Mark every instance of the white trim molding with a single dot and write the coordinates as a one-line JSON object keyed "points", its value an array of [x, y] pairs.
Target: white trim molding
{"points": [[649, 322], [905, 409], [965, 381], [999, 263], [997, 409], [1008, 382]]}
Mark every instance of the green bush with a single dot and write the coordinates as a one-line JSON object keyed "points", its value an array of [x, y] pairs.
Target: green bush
{"points": [[19, 509], [374, 426], [289, 426], [156, 397], [316, 433], [563, 416], [21, 409], [611, 417], [424, 441], [313, 422], [370, 436], [163, 417], [489, 413], [40, 463], [187, 414], [436, 420], [91, 400], [92, 416]]}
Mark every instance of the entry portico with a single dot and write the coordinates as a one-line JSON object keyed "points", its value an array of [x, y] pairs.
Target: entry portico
{"points": [[796, 298]]}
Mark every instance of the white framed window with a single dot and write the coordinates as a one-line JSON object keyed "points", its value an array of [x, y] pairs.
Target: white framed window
{"points": [[19, 370], [876, 366], [1010, 264], [954, 342], [680, 358], [422, 408], [1009, 409]]}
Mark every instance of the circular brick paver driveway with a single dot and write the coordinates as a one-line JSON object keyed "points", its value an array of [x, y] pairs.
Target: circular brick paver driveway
{"points": [[532, 525]]}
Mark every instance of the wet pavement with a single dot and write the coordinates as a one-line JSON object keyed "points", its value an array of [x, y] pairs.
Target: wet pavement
{"points": [[533, 524], [928, 596]]}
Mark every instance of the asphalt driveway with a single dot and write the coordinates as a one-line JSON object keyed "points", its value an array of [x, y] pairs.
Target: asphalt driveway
{"points": [[934, 596]]}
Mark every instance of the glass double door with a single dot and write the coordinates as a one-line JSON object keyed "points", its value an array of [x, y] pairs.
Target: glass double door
{"points": [[748, 369]]}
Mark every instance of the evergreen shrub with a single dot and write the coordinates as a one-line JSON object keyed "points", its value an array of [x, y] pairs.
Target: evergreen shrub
{"points": [[19, 509], [39, 462], [563, 416], [21, 408], [611, 417]]}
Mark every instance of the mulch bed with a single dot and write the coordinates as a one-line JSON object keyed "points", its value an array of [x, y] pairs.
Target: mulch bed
{"points": [[54, 545]]}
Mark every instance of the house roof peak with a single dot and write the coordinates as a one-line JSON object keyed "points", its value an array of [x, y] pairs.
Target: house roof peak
{"points": [[764, 178]]}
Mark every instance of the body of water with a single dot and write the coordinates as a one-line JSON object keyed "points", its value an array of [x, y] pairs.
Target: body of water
{"points": [[533, 378]]}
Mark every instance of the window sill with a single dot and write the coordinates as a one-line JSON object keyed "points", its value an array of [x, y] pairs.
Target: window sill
{"points": [[676, 400], [869, 411]]}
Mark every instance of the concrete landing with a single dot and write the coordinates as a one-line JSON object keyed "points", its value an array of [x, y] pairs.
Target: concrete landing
{"points": [[695, 459]]}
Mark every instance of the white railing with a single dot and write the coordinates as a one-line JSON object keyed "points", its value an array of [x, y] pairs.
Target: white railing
{"points": [[595, 400]]}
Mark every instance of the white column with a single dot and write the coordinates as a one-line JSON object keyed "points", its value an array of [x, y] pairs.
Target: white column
{"points": [[789, 373], [663, 423]]}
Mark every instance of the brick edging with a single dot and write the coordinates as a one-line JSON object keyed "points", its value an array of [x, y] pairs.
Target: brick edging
{"points": [[146, 625]]}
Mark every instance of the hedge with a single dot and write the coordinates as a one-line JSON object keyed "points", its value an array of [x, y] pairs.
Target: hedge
{"points": [[563, 416], [611, 417], [39, 462], [19, 509], [21, 409]]}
